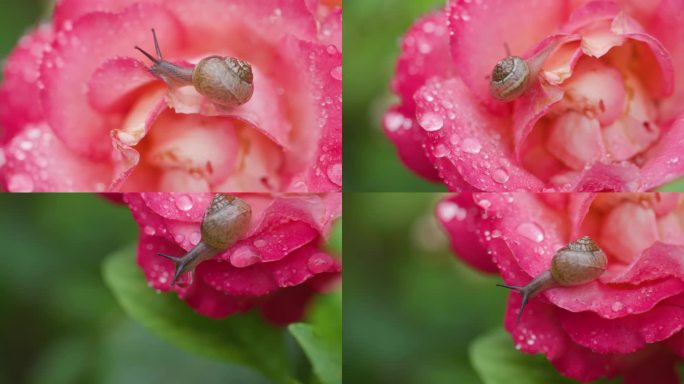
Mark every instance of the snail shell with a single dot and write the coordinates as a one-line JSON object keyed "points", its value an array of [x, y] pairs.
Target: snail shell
{"points": [[225, 221], [510, 78], [580, 262], [223, 80]]}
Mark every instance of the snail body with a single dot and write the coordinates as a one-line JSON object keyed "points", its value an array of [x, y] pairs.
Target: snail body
{"points": [[580, 262], [225, 221], [227, 81]]}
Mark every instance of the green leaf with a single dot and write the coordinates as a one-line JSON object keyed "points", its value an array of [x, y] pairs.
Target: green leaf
{"points": [[498, 362], [322, 339], [242, 339], [335, 240]]}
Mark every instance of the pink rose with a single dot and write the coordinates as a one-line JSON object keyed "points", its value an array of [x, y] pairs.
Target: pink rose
{"points": [[627, 322], [79, 109], [604, 112], [277, 266]]}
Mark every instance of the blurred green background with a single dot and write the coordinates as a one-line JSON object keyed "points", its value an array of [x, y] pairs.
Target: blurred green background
{"points": [[372, 34], [60, 323], [411, 309]]}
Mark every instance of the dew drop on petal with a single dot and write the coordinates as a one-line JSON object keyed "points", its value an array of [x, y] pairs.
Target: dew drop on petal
{"points": [[243, 257], [184, 203], [149, 230], [336, 73], [431, 121], [440, 150], [319, 263], [194, 238], [179, 238], [471, 145], [334, 173], [448, 210], [20, 183], [260, 243], [500, 176], [394, 121], [617, 306], [531, 231]]}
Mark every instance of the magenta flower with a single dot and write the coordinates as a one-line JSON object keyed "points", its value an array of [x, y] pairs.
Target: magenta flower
{"points": [[628, 322], [277, 266], [80, 111], [604, 110]]}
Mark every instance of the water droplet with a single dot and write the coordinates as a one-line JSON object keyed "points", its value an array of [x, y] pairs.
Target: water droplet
{"points": [[244, 256], [500, 176], [184, 203], [179, 238], [617, 306], [484, 203], [331, 49], [335, 173], [149, 230], [260, 243], [195, 238], [454, 139], [394, 121], [449, 210], [20, 183], [471, 145], [319, 263], [531, 231], [431, 121], [440, 150], [336, 73]]}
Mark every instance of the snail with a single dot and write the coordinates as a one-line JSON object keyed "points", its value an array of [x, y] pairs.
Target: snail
{"points": [[225, 221], [223, 80], [513, 75], [510, 78], [580, 262]]}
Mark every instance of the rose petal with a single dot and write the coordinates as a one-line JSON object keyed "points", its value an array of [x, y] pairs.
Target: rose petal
{"points": [[460, 133], [534, 104], [578, 208], [658, 261], [19, 93], [623, 25], [459, 217], [627, 334], [402, 129], [424, 54], [667, 27], [178, 206], [112, 86], [316, 99], [602, 178], [664, 159], [37, 161]]}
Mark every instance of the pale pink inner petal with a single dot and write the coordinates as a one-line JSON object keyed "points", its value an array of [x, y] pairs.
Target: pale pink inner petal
{"points": [[576, 140], [628, 137], [596, 90], [628, 230], [198, 145]]}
